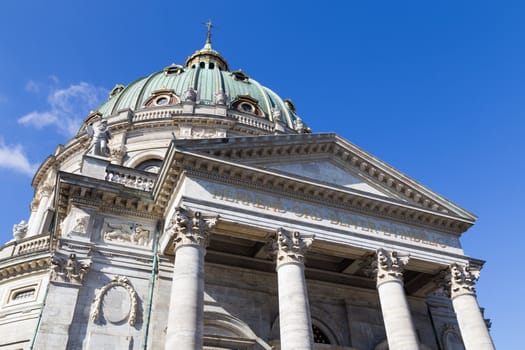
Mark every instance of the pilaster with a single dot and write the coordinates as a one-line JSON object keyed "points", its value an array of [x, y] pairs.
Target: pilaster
{"points": [[67, 277]]}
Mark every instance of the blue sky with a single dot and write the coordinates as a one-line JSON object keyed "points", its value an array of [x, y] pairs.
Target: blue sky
{"points": [[435, 89]]}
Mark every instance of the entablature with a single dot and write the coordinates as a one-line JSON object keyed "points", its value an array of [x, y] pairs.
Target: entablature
{"points": [[271, 149], [180, 162]]}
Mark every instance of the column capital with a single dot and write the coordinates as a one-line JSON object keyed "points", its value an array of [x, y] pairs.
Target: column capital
{"points": [[289, 246], [461, 280], [388, 266], [190, 228], [69, 270]]}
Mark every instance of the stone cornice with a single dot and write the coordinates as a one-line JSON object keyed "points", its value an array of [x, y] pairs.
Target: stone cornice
{"points": [[274, 148], [104, 196], [30, 264], [178, 162]]}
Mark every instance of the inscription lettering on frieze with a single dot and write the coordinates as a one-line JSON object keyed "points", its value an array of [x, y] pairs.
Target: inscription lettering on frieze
{"points": [[333, 217]]}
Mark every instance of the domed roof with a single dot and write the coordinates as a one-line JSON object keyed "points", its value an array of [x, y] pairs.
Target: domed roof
{"points": [[205, 79]]}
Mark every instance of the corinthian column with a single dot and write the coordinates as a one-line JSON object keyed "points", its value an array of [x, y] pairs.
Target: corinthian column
{"points": [[471, 323], [400, 331], [294, 310], [186, 311]]}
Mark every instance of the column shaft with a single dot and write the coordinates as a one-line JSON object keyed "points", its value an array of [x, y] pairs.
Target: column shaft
{"points": [[185, 320], [399, 327], [471, 323], [294, 309]]}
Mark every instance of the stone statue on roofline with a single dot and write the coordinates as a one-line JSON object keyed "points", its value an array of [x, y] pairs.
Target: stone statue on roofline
{"points": [[19, 230], [100, 136]]}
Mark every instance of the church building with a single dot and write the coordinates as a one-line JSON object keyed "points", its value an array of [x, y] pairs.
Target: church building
{"points": [[194, 209]]}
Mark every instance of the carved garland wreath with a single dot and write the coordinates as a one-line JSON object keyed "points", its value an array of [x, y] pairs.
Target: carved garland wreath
{"points": [[121, 281]]}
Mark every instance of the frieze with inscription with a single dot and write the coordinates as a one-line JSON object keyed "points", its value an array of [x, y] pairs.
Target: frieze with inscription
{"points": [[330, 217]]}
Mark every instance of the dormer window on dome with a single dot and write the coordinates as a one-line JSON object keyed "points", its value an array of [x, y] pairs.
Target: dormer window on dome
{"points": [[204, 80], [247, 104], [163, 97], [118, 88], [173, 69], [240, 76], [289, 104]]}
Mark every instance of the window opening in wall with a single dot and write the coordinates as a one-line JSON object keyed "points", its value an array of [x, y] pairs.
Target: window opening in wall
{"points": [[202, 64], [150, 165], [319, 336], [211, 65], [23, 294]]}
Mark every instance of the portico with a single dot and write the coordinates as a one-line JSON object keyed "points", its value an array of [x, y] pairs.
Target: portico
{"points": [[349, 243]]}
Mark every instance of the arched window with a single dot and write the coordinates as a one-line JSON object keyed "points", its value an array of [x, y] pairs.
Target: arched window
{"points": [[319, 336], [150, 165], [247, 104]]}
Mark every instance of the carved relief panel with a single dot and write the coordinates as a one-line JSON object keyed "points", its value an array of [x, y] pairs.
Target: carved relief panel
{"points": [[77, 223], [127, 232]]}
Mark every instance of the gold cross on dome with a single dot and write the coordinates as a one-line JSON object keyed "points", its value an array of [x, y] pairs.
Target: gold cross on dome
{"points": [[209, 25]]}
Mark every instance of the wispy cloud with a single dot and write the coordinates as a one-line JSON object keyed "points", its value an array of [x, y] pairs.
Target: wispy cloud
{"points": [[32, 86], [12, 157], [67, 107], [3, 99]]}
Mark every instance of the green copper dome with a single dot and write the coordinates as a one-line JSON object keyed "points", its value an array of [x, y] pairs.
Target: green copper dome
{"points": [[204, 80]]}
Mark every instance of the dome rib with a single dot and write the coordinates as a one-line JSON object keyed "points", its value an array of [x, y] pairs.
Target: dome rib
{"points": [[140, 98], [203, 74]]}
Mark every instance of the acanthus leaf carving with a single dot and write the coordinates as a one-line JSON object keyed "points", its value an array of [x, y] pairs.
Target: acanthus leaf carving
{"points": [[289, 246], [388, 266], [70, 270], [462, 279], [190, 228]]}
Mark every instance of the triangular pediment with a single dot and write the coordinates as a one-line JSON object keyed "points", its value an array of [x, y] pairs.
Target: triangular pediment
{"points": [[326, 159], [327, 171]]}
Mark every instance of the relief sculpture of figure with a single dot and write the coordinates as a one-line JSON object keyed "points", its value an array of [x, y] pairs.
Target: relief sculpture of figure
{"points": [[139, 235], [100, 136]]}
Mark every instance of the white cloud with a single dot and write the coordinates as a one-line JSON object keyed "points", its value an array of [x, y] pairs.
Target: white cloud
{"points": [[12, 157], [67, 108]]}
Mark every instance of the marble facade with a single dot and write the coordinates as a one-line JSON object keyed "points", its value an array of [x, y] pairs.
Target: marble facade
{"points": [[249, 233]]}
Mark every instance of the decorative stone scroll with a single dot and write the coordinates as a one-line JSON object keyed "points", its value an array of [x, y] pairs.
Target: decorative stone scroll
{"points": [[289, 246], [117, 282], [70, 270], [190, 228], [388, 266], [462, 279]]}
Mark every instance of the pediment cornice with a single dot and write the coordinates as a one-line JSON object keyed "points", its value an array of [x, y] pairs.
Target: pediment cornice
{"points": [[275, 148], [182, 162]]}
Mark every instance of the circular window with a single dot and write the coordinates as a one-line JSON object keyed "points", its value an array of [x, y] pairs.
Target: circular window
{"points": [[162, 100], [246, 107]]}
